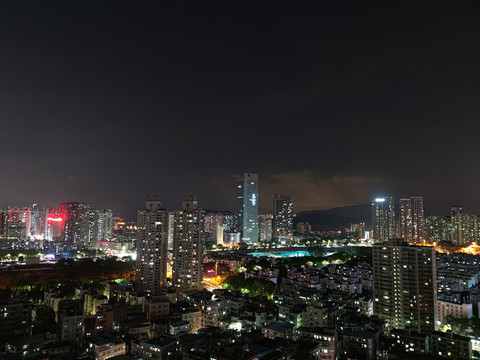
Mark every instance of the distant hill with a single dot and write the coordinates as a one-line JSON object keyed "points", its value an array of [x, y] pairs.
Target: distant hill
{"points": [[336, 217], [323, 219]]}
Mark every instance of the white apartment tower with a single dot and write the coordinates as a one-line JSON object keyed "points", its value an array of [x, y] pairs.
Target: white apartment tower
{"points": [[412, 221], [383, 219]]}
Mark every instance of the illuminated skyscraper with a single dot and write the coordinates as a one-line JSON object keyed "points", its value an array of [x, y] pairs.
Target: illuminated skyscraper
{"points": [[73, 215], [282, 217], [383, 219], [188, 246], [247, 197], [152, 242], [405, 285], [412, 221]]}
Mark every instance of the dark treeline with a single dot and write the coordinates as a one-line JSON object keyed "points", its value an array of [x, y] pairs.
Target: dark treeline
{"points": [[65, 270]]}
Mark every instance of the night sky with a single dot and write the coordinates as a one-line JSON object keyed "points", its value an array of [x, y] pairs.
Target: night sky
{"points": [[331, 102]]}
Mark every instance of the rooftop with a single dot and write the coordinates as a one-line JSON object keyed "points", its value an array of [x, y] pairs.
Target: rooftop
{"points": [[280, 326]]}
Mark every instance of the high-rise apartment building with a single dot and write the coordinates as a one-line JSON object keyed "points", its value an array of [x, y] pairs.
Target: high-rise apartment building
{"points": [[383, 219], [464, 228], [211, 221], [437, 228], [406, 219], [225, 219], [73, 216], [106, 225], [3, 222], [18, 222], [282, 218], [54, 225], [188, 246], [37, 225], [247, 198], [230, 221], [97, 227], [405, 285], [358, 229], [412, 221], [152, 242], [418, 220], [265, 227], [304, 228]]}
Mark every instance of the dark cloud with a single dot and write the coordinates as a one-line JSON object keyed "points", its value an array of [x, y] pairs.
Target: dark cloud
{"points": [[311, 191]]}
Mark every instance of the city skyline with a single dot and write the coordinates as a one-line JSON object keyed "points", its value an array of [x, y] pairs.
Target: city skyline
{"points": [[265, 200], [239, 180], [86, 105]]}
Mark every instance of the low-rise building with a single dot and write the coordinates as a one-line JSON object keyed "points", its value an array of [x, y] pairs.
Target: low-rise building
{"points": [[157, 307], [327, 338], [160, 348], [179, 327], [449, 344], [410, 341], [15, 317], [93, 301], [279, 329], [72, 326], [105, 346], [459, 310]]}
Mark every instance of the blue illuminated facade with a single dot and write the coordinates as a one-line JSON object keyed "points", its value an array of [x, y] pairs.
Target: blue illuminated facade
{"points": [[247, 198]]}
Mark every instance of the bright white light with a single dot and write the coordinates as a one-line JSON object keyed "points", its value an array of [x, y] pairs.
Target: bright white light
{"points": [[379, 199]]}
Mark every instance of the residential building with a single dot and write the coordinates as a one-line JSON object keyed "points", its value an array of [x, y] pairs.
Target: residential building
{"points": [[327, 338], [437, 228], [105, 346], [383, 219], [152, 242], [464, 228], [448, 344], [279, 329], [454, 305], [157, 307], [412, 222], [405, 285], [17, 222], [73, 215], [71, 324], [15, 317], [265, 227], [188, 246], [97, 228], [160, 348], [282, 218]]}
